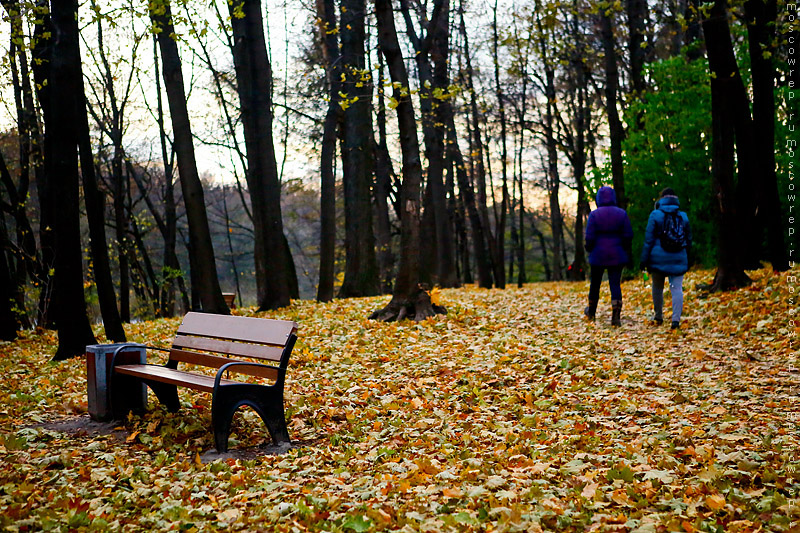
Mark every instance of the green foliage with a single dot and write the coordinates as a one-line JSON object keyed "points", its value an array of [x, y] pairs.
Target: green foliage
{"points": [[668, 145]]}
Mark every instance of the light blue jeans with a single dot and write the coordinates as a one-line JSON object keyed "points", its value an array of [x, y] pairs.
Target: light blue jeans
{"points": [[675, 288]]}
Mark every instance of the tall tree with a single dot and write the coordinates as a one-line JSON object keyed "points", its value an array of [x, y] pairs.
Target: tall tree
{"points": [[27, 264], [110, 120], [545, 40], [61, 164], [616, 130], [205, 283], [274, 264], [9, 319], [326, 16], [761, 16], [408, 299], [95, 215], [383, 190], [477, 159], [500, 223], [725, 97], [434, 38], [361, 267]]}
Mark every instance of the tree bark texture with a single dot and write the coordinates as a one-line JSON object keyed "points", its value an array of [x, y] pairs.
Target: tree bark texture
{"points": [[724, 89], [761, 16], [361, 267], [615, 127], [384, 177], [408, 295], [432, 50], [61, 158], [496, 264], [205, 283], [327, 248], [42, 55], [500, 231], [254, 84], [9, 322]]}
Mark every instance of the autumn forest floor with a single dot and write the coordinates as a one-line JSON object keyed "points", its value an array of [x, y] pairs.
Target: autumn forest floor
{"points": [[510, 413]]}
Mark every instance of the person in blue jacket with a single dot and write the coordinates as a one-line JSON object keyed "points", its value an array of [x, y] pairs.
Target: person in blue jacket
{"points": [[608, 241], [672, 262]]}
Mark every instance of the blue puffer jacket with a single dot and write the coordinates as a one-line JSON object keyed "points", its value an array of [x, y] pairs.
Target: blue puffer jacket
{"points": [[608, 231], [654, 256]]}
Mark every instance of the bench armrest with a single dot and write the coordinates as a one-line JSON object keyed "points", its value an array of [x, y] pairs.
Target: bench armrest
{"points": [[226, 366], [123, 347]]}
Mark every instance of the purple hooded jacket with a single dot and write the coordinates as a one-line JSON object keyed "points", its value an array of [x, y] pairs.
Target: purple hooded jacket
{"points": [[608, 232]]}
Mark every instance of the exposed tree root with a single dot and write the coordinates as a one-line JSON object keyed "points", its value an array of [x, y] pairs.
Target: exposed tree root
{"points": [[727, 280], [417, 306]]}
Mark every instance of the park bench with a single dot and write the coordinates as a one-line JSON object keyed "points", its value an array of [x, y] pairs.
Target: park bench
{"points": [[230, 299], [229, 344]]}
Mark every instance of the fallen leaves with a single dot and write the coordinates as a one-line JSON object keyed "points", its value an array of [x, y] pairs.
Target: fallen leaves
{"points": [[509, 414]]}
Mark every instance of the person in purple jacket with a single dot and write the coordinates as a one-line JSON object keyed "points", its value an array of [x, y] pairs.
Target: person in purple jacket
{"points": [[608, 241]]}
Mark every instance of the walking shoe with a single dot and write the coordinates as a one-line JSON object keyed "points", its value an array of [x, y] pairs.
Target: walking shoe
{"points": [[590, 310], [657, 321], [675, 324], [616, 311]]}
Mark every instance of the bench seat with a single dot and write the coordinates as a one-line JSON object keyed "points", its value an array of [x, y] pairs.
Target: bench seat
{"points": [[191, 380]]}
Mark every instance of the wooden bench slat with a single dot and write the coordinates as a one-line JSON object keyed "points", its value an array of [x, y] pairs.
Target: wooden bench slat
{"points": [[216, 361], [237, 328], [258, 351], [167, 375]]}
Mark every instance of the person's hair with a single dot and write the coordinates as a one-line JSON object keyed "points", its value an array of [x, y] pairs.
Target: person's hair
{"points": [[667, 191]]}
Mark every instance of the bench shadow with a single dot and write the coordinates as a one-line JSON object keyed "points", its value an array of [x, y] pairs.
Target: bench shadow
{"points": [[84, 426]]}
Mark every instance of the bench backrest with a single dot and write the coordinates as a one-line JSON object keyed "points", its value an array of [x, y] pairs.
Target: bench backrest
{"points": [[213, 340]]}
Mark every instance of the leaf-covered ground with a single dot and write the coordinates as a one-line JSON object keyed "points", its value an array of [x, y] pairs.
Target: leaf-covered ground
{"points": [[511, 413]]}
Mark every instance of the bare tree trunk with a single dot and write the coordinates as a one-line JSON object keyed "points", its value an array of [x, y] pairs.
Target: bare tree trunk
{"points": [[28, 264], [95, 214], [616, 130], [9, 321], [361, 268], [120, 186], [500, 231], [548, 275], [724, 88], [326, 16], [636, 11], [432, 50], [42, 55], [254, 84], [171, 269], [459, 219], [478, 161], [409, 300], [228, 232], [205, 283], [61, 160], [384, 175], [761, 16]]}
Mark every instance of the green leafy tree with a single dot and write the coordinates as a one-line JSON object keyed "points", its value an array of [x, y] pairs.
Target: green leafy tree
{"points": [[671, 149]]}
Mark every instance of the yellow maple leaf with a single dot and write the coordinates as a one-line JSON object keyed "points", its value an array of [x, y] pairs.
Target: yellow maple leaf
{"points": [[436, 296], [715, 502]]}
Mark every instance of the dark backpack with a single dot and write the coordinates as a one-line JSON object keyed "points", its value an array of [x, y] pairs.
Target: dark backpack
{"points": [[673, 233]]}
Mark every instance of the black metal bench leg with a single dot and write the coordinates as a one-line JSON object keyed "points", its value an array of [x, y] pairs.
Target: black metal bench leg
{"points": [[268, 403], [223, 407], [167, 394], [124, 394]]}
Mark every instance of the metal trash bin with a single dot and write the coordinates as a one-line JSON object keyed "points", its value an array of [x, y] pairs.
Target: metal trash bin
{"points": [[98, 378]]}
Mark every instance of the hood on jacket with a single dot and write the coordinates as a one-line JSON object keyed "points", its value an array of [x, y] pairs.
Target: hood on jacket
{"points": [[606, 196], [668, 204]]}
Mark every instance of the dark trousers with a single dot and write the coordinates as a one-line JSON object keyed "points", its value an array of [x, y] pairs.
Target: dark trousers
{"points": [[614, 277]]}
